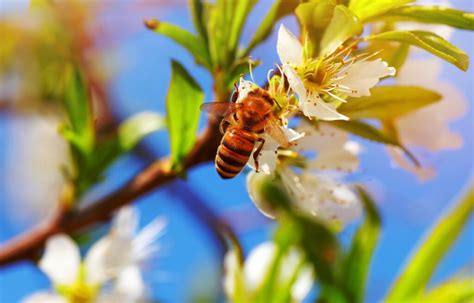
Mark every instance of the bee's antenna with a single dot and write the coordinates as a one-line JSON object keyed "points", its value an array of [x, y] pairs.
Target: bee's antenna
{"points": [[250, 69]]}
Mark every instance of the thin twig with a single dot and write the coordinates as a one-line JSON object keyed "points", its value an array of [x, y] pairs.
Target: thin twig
{"points": [[28, 245]]}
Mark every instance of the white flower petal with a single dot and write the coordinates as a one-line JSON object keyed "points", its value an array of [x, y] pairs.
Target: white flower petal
{"points": [[337, 202], [35, 154], [254, 183], [289, 48], [245, 87], [61, 260], [361, 76], [44, 297], [421, 172], [144, 242], [267, 159], [292, 134], [305, 278], [303, 284], [231, 267], [125, 222], [96, 262], [130, 283], [436, 135], [317, 108], [257, 265], [342, 159], [295, 82], [322, 197], [323, 138], [333, 149], [423, 72]]}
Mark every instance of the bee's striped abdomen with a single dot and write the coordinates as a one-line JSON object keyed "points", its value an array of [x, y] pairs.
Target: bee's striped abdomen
{"points": [[233, 153]]}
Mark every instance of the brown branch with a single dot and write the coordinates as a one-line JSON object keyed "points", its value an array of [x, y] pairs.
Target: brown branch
{"points": [[4, 105], [28, 245]]}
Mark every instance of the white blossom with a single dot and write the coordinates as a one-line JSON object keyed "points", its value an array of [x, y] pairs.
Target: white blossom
{"points": [[336, 75], [311, 191], [330, 201], [334, 150], [246, 281], [116, 257], [428, 127], [318, 195], [38, 156]]}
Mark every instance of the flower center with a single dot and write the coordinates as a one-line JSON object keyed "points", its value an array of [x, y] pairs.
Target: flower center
{"points": [[78, 293]]}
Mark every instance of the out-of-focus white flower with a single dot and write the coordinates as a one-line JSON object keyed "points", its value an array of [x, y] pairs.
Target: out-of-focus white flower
{"points": [[428, 127], [246, 282], [37, 156], [330, 75], [122, 252], [61, 262], [116, 257]]}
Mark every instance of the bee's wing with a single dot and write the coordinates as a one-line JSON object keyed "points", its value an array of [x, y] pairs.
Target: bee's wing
{"points": [[221, 109], [274, 130]]}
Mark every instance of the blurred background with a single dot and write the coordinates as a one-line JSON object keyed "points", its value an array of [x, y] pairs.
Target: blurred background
{"points": [[131, 66]]}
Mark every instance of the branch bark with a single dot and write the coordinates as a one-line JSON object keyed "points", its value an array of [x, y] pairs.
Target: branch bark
{"points": [[27, 246]]}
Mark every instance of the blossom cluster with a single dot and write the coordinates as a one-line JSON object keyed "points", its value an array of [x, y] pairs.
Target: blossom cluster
{"points": [[309, 90]]}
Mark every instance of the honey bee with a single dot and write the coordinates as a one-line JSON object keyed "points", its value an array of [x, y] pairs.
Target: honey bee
{"points": [[242, 127]]}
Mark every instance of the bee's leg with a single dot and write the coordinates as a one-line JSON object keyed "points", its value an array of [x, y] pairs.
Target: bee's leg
{"points": [[257, 153], [235, 95], [223, 126]]}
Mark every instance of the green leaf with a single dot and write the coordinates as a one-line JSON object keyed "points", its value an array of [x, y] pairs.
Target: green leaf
{"points": [[344, 25], [365, 9], [364, 130], [279, 9], [429, 42], [432, 15], [369, 132], [454, 291], [398, 56], [217, 30], [132, 130], [197, 8], [386, 102], [320, 246], [193, 44], [80, 132], [418, 271], [314, 18], [182, 104], [357, 261], [241, 9]]}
